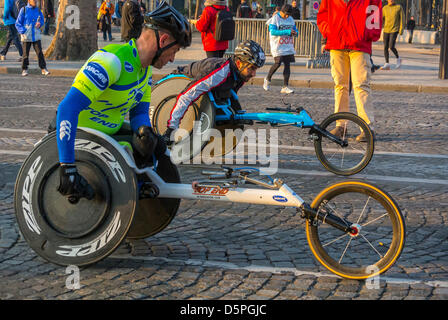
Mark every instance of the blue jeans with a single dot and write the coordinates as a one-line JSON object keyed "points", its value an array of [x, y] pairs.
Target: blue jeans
{"points": [[13, 36], [47, 25]]}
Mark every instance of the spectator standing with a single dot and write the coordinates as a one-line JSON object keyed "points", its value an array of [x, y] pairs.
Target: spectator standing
{"points": [[393, 23], [131, 21], [142, 6], [13, 37], [254, 6], [244, 10], [117, 13], [206, 26], [28, 24], [282, 29], [350, 53], [48, 11], [295, 10], [259, 14], [411, 26], [107, 9]]}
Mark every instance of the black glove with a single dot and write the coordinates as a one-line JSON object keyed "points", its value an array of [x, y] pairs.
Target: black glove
{"points": [[73, 185], [144, 142], [166, 137], [160, 149]]}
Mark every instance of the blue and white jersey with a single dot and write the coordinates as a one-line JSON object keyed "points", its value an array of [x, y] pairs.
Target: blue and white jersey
{"points": [[281, 40]]}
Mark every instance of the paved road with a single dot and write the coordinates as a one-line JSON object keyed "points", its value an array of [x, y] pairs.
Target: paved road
{"points": [[242, 251]]}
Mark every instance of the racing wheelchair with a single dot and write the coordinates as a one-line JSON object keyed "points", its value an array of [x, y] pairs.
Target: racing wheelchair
{"points": [[343, 156], [355, 229]]}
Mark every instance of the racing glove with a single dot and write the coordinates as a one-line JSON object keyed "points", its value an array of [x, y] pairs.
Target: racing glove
{"points": [[73, 185], [146, 143], [166, 137]]}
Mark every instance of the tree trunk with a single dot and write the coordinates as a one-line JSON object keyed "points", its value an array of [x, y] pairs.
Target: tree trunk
{"points": [[197, 9], [76, 35]]}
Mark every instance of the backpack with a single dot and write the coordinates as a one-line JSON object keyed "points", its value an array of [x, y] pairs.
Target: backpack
{"points": [[224, 26], [18, 4]]}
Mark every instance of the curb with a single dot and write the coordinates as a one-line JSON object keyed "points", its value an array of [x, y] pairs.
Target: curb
{"points": [[314, 84]]}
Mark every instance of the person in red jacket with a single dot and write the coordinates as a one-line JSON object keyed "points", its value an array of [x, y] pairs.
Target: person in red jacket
{"points": [[349, 27], [206, 26]]}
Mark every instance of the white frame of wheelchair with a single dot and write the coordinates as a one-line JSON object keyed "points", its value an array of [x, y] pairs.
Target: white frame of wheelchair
{"points": [[283, 196]]}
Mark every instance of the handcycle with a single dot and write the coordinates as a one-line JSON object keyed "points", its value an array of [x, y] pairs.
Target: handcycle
{"points": [[343, 156], [354, 229]]}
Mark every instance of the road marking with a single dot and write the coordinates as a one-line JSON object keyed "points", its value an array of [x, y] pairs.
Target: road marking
{"points": [[384, 153], [296, 172], [364, 176], [23, 130], [15, 152], [274, 270], [281, 146]]}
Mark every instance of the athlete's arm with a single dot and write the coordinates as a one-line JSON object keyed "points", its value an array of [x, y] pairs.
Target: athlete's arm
{"points": [[139, 116], [195, 90], [67, 122], [102, 70]]}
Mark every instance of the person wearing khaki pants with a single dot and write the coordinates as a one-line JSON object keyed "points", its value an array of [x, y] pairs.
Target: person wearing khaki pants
{"points": [[348, 29], [358, 63]]}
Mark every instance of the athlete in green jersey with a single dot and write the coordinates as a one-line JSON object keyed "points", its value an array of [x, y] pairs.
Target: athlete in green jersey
{"points": [[113, 82]]}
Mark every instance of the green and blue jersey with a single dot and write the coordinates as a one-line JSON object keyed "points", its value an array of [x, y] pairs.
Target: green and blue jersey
{"points": [[111, 84]]}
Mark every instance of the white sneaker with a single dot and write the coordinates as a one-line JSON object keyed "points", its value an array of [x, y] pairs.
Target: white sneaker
{"points": [[266, 84], [398, 65], [45, 72], [385, 67], [24, 73], [286, 90]]}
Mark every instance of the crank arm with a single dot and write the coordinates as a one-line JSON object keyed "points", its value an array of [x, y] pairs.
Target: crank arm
{"points": [[327, 217], [316, 129]]}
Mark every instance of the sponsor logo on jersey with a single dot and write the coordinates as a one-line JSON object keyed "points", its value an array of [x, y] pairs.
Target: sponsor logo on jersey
{"points": [[65, 129], [128, 67], [97, 74]]}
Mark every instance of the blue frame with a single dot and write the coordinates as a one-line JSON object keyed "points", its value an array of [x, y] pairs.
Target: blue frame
{"points": [[301, 119]]}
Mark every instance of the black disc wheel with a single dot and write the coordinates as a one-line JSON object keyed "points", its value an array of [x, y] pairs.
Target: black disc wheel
{"points": [[78, 233], [154, 215]]}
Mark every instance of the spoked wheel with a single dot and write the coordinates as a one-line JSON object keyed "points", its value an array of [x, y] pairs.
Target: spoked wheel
{"points": [[378, 230], [349, 159]]}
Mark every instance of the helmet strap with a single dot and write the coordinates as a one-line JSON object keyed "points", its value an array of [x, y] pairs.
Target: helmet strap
{"points": [[159, 49]]}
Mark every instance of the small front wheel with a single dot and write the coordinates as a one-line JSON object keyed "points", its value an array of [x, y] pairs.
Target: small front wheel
{"points": [[349, 159], [378, 230]]}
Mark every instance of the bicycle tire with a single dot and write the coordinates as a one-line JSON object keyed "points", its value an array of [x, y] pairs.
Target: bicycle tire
{"points": [[332, 156], [366, 241]]}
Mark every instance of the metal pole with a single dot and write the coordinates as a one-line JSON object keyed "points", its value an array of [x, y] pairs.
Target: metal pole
{"points": [[443, 67]]}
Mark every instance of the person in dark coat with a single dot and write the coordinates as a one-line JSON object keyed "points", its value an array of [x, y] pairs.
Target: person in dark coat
{"points": [[131, 20], [48, 11], [411, 26], [243, 10], [295, 10]]}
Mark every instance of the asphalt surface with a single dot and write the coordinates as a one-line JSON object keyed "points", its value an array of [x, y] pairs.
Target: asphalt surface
{"points": [[241, 251]]}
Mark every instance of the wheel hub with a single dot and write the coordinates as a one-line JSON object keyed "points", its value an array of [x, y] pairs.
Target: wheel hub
{"points": [[356, 230]]}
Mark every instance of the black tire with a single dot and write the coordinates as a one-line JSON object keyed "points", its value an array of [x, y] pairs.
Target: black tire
{"points": [[90, 230], [154, 215], [348, 160], [378, 218]]}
